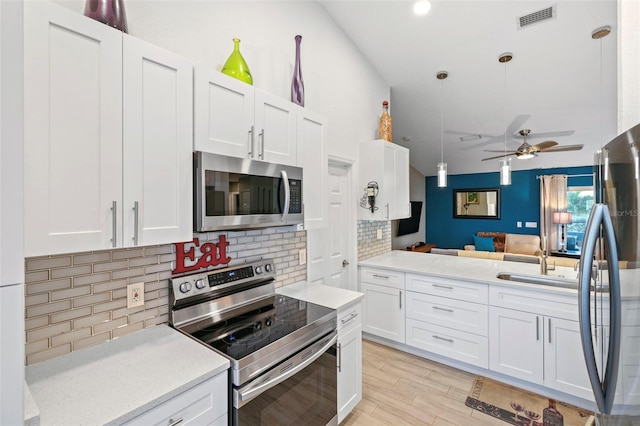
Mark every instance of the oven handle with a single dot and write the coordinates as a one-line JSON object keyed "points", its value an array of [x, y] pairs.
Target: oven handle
{"points": [[243, 396]]}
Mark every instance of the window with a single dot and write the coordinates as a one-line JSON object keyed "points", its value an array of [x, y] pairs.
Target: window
{"points": [[579, 202]]}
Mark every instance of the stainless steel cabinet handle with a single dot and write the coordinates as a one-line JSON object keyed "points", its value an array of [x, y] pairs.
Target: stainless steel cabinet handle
{"points": [[549, 330], [442, 286], [175, 422], [387, 206], [339, 357], [400, 299], [261, 137], [442, 309], [352, 316], [114, 223], [435, 336], [135, 223], [381, 276], [251, 142], [537, 328]]}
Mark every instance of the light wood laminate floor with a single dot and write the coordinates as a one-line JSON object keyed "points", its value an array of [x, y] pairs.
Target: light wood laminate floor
{"points": [[403, 389]]}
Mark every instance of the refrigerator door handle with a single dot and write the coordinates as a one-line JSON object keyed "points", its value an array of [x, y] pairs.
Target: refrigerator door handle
{"points": [[584, 305], [615, 311], [603, 389]]}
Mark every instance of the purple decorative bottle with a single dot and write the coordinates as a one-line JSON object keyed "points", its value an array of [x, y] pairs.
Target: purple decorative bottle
{"points": [[110, 12], [297, 85]]}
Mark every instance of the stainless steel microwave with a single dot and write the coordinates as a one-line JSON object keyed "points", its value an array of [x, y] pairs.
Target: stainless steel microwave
{"points": [[237, 193]]}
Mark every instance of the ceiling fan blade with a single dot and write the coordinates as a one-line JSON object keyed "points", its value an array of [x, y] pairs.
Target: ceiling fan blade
{"points": [[497, 150], [517, 124], [543, 146], [563, 148], [499, 156], [544, 135]]}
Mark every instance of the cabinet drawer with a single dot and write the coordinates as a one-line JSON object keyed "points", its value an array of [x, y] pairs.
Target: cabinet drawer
{"points": [[451, 313], [349, 317], [382, 277], [555, 305], [444, 287], [197, 405], [465, 347]]}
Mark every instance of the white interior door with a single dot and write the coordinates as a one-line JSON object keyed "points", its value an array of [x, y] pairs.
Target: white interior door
{"points": [[330, 250]]}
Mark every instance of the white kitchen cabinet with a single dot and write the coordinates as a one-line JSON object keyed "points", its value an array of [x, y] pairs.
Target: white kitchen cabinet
{"points": [[384, 303], [516, 344], [157, 141], [234, 118], [203, 404], [535, 336], [97, 136], [312, 157], [386, 165], [349, 359]]}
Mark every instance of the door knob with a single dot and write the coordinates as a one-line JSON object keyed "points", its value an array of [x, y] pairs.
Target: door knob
{"points": [[344, 263]]}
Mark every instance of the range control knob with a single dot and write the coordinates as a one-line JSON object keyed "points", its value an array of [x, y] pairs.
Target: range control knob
{"points": [[258, 269], [257, 326], [268, 267], [268, 322], [185, 287], [200, 284]]}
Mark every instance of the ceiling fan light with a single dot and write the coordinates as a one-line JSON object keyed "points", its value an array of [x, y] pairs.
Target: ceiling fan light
{"points": [[505, 171], [526, 156], [442, 175]]}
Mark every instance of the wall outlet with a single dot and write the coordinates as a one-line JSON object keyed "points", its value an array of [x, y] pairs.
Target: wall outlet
{"points": [[302, 256], [135, 295], [379, 234]]}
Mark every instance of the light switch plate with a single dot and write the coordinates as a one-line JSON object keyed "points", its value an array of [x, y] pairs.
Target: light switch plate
{"points": [[135, 295], [531, 224], [519, 224]]}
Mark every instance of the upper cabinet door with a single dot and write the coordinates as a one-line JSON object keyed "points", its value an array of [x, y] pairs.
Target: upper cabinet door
{"points": [[275, 126], [73, 131], [312, 157], [157, 144], [224, 114]]}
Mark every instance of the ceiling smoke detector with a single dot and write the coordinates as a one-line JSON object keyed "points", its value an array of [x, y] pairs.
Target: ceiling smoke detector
{"points": [[536, 17]]}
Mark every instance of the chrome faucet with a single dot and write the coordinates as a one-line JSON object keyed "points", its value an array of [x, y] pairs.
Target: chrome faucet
{"points": [[544, 267]]}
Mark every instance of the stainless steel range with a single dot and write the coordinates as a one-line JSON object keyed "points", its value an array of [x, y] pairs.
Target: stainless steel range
{"points": [[282, 350]]}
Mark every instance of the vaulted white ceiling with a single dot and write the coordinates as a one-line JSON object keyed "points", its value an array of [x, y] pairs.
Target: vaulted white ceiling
{"points": [[561, 83]]}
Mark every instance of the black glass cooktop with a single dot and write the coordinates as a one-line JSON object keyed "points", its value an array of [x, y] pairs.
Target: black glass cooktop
{"points": [[248, 332]]}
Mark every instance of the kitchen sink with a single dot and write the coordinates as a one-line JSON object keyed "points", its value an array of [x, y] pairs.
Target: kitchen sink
{"points": [[548, 280]]}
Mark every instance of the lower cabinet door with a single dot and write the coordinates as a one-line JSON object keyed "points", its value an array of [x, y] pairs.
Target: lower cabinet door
{"points": [[516, 344], [349, 371], [454, 344], [203, 404], [564, 366], [384, 311]]}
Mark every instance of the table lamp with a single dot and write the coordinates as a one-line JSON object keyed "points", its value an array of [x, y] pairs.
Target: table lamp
{"points": [[562, 218]]}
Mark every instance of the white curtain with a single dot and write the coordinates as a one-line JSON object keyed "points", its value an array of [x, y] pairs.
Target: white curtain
{"points": [[553, 198]]}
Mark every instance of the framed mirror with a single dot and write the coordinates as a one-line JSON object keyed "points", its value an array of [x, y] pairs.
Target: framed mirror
{"points": [[476, 203]]}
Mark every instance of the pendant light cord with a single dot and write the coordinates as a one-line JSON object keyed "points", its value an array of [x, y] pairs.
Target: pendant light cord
{"points": [[505, 110], [441, 121]]}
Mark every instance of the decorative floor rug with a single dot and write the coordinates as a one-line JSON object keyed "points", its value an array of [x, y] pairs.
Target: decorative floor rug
{"points": [[522, 408]]}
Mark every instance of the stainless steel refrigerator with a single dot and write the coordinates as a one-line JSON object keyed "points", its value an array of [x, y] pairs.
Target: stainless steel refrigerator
{"points": [[610, 283]]}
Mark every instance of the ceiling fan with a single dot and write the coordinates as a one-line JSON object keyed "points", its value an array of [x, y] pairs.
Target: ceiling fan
{"points": [[526, 151]]}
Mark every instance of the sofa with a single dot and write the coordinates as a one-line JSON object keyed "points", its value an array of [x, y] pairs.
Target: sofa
{"points": [[521, 244]]}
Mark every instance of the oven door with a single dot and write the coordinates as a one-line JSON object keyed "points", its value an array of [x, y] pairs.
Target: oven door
{"points": [[302, 390]]}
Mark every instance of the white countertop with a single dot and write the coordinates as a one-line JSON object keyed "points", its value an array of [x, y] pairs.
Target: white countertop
{"points": [[118, 380], [485, 270], [324, 295]]}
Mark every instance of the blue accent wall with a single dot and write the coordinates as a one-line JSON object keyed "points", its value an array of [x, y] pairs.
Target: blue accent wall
{"points": [[519, 202]]}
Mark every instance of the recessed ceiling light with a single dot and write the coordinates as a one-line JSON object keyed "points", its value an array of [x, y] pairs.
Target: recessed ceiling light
{"points": [[421, 7]]}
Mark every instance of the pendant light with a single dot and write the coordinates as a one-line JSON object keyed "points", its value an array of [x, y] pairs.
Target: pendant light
{"points": [[442, 166], [505, 163]]}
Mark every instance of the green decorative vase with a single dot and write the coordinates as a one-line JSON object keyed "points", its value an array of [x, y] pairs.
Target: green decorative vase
{"points": [[235, 66]]}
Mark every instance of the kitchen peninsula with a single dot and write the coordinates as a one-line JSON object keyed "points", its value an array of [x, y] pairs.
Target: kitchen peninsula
{"points": [[456, 311]]}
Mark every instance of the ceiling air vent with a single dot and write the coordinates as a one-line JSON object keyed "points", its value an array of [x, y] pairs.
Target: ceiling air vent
{"points": [[536, 17]]}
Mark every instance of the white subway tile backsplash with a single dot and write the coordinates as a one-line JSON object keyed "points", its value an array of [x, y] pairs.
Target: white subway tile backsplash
{"points": [[71, 272], [31, 277], [96, 318], [83, 259], [91, 300], [36, 311], [91, 279], [127, 253], [111, 266], [71, 314], [46, 286], [47, 263], [70, 293]]}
